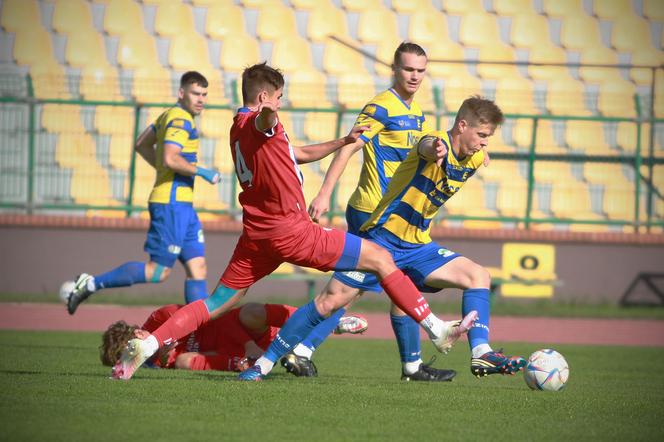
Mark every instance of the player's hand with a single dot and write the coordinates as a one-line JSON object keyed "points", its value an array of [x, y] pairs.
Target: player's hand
{"points": [[252, 350], [440, 151], [355, 133], [487, 160], [211, 176], [319, 206]]}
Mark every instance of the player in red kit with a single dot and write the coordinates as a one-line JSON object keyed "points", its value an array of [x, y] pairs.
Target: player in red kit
{"points": [[277, 229]]}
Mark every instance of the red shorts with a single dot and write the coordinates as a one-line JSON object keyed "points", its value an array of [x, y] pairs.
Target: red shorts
{"points": [[305, 244]]}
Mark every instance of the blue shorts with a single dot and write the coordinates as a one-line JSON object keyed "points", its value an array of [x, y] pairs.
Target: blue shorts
{"points": [[416, 262], [175, 233], [355, 218]]}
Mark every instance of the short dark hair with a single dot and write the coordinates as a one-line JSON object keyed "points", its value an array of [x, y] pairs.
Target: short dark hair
{"points": [[193, 77], [406, 47], [477, 110], [259, 77]]}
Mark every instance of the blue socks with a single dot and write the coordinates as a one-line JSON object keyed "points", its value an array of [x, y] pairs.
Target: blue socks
{"points": [[407, 332], [298, 327], [129, 273], [194, 289], [477, 299], [323, 330]]}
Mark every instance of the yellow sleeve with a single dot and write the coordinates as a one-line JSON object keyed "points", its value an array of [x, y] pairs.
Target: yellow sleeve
{"points": [[373, 116], [178, 131]]}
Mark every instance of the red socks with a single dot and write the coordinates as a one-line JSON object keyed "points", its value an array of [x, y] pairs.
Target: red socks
{"points": [[186, 320], [405, 295]]}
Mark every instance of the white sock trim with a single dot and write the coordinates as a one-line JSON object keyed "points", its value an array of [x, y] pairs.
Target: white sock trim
{"points": [[303, 350]]}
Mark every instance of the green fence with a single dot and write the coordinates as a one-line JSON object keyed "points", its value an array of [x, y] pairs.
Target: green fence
{"points": [[74, 156]]}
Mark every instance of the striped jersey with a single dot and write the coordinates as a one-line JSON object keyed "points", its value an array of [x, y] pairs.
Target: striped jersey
{"points": [[175, 126], [417, 190], [395, 127]]}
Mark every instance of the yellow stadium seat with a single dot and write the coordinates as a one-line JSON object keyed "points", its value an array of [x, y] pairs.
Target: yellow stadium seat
{"points": [[360, 5], [122, 17], [307, 89], [448, 50], [411, 6], [136, 49], [497, 52], [306, 5], [611, 10], [120, 151], [598, 55], [216, 123], [143, 182], [428, 27], [515, 95], [174, 19], [522, 132], [311, 183], [62, 118], [20, 14], [275, 23], [49, 80], [100, 83], [587, 136], [546, 140], [385, 54], [320, 126], [513, 7], [529, 30], [91, 185], [598, 173], [647, 56], [211, 3], [463, 7], [85, 48], [616, 99], [369, 32], [223, 159], [189, 52], [33, 46], [579, 32], [425, 96], [340, 58], [511, 198], [71, 15], [457, 89], [659, 93], [206, 196], [75, 150], [626, 136], [471, 194], [223, 21], [258, 4], [241, 51], [572, 200], [547, 54], [553, 172], [565, 96], [653, 10], [354, 89], [114, 119], [618, 202], [292, 53], [479, 29], [152, 84], [630, 33], [326, 20], [562, 8]]}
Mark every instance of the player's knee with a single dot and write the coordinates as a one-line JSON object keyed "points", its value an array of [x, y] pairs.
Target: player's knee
{"points": [[156, 272], [378, 259], [480, 277], [197, 269], [165, 273], [326, 304]]}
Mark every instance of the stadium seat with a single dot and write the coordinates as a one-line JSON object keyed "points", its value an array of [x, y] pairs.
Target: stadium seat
{"points": [[587, 136], [571, 200], [428, 27], [62, 118], [565, 96], [411, 7], [206, 196], [240, 52], [212, 3], [75, 150], [339, 58], [361, 5], [305, 5], [71, 16], [478, 29], [626, 136], [49, 80], [630, 33], [292, 53], [100, 83], [457, 89], [580, 32], [511, 199], [223, 21], [546, 141], [91, 185], [463, 7], [326, 20], [122, 17], [653, 10], [377, 25], [114, 119], [447, 50], [513, 8], [522, 132], [608, 173], [354, 89], [136, 49], [616, 99], [189, 52], [472, 194], [152, 84], [144, 177], [553, 172], [275, 23], [529, 30], [618, 202], [647, 56], [497, 52], [547, 54], [33, 47], [307, 89], [562, 8], [258, 4], [311, 183], [223, 159], [320, 126], [85, 48], [174, 19], [20, 14], [598, 55], [120, 151], [611, 10], [425, 95], [515, 95], [216, 123], [384, 56]]}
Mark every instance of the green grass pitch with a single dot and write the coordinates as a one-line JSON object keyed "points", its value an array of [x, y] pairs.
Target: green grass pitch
{"points": [[52, 387]]}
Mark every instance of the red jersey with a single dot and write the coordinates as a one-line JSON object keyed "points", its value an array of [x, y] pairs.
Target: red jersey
{"points": [[271, 180]]}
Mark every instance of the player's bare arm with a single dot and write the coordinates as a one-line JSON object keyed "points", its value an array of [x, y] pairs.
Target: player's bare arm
{"points": [[145, 146], [315, 152], [176, 162], [432, 149]]}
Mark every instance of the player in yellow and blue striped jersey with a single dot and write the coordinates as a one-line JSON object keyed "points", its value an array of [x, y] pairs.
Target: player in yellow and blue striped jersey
{"points": [[170, 145]]}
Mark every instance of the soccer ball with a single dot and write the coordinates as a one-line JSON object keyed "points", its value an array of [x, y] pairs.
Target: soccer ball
{"points": [[65, 289], [546, 370]]}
